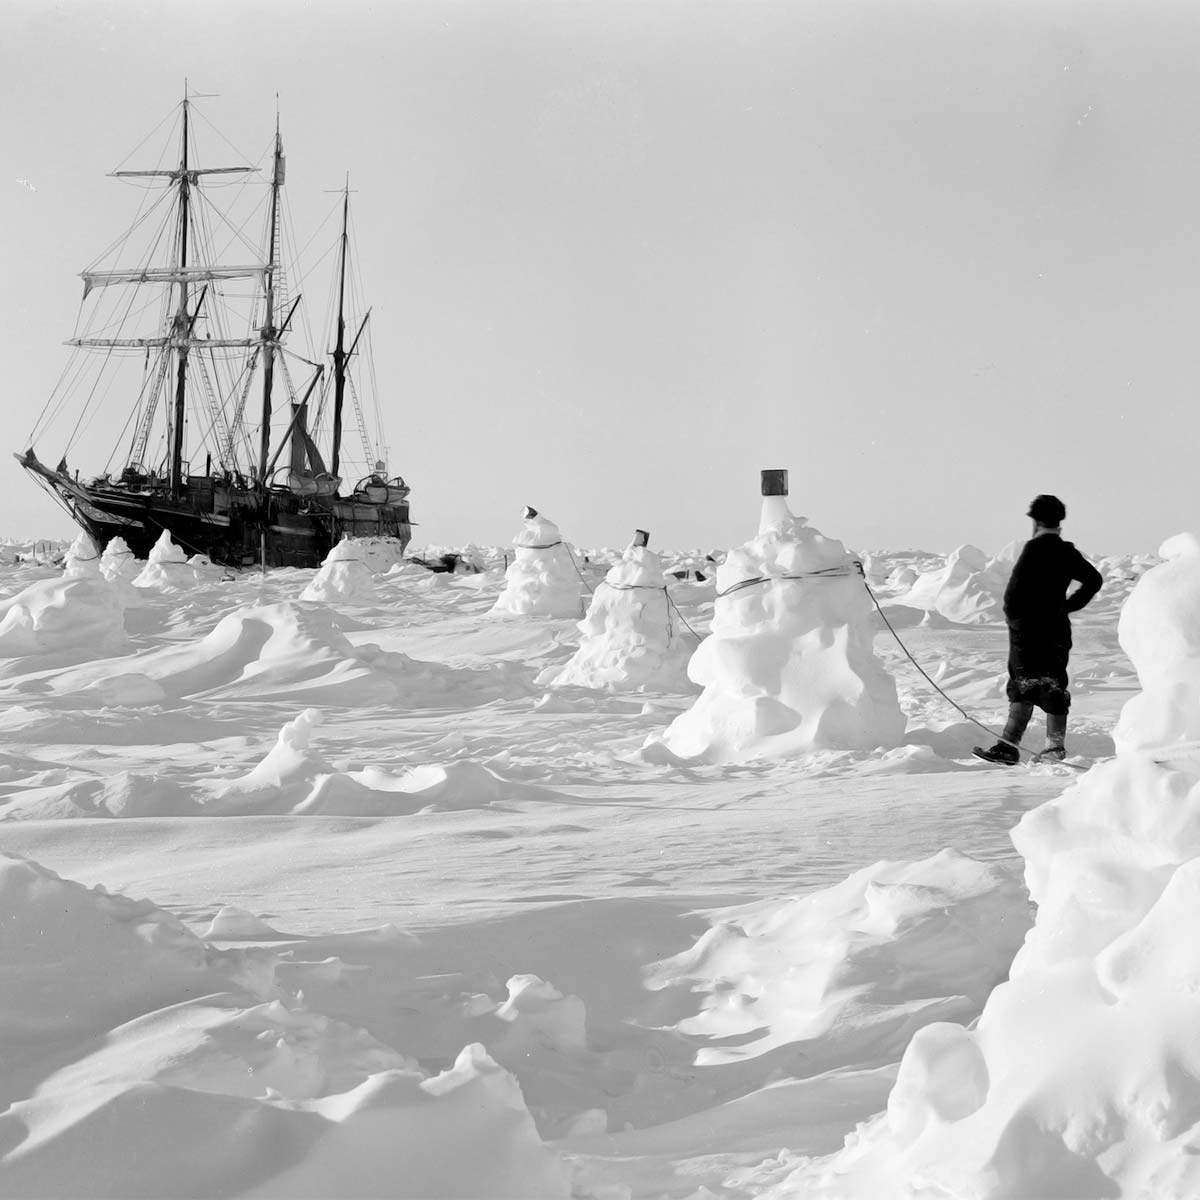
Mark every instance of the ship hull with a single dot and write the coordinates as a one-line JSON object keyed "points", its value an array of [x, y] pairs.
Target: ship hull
{"points": [[232, 525]]}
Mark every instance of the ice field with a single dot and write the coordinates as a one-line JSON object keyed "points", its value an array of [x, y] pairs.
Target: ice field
{"points": [[378, 882]]}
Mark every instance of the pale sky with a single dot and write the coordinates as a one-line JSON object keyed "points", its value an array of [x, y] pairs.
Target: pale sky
{"points": [[933, 257]]}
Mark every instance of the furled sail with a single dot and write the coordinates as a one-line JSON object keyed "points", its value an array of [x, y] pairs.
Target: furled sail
{"points": [[96, 279], [152, 343]]}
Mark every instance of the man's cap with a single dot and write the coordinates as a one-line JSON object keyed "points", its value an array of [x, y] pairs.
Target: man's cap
{"points": [[1048, 511]]}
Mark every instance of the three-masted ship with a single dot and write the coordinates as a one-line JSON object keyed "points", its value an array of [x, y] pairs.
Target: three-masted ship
{"points": [[269, 487]]}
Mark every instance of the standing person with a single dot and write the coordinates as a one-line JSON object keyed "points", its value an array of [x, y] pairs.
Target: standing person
{"points": [[1037, 608]]}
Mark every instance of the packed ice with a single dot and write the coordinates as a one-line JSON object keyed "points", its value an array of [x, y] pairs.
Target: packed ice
{"points": [[407, 900]]}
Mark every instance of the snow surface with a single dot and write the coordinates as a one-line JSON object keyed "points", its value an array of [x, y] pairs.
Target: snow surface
{"points": [[330, 898], [1082, 1076]]}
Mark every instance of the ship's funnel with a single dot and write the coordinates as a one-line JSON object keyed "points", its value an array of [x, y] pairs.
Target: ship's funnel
{"points": [[529, 513], [641, 537], [775, 511]]}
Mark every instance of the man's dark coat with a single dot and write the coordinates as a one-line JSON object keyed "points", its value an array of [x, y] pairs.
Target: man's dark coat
{"points": [[1036, 607]]}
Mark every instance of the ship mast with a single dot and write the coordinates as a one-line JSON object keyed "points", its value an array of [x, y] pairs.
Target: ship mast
{"points": [[182, 324], [178, 336], [269, 332], [339, 352]]}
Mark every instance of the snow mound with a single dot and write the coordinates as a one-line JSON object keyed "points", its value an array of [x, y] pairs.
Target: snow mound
{"points": [[345, 576], [283, 778], [465, 1132], [123, 794], [631, 639], [539, 1016], [285, 651], [233, 922], [139, 1061], [167, 568], [205, 570], [1159, 630], [78, 611], [381, 554], [118, 565], [219, 1045], [277, 651], [968, 590], [1082, 1077], [852, 970], [789, 666], [542, 580], [75, 959], [294, 778], [118, 562], [375, 792], [82, 560], [125, 690]]}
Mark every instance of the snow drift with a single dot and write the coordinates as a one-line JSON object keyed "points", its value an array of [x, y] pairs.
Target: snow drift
{"points": [[968, 590], [204, 1076], [78, 611], [850, 971], [294, 778], [287, 651]]}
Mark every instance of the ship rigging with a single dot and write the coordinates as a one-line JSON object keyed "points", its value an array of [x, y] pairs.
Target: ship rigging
{"points": [[222, 327]]}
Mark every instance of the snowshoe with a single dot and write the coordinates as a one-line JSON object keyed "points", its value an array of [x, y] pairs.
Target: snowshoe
{"points": [[1001, 752]]}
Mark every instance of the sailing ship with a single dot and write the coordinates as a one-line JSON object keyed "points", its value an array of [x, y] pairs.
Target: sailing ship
{"points": [[269, 493]]}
